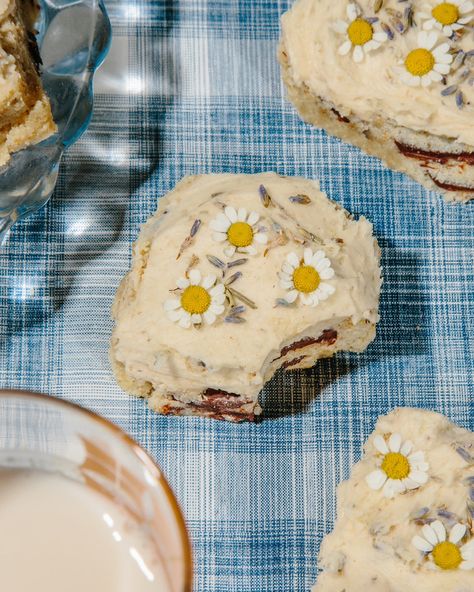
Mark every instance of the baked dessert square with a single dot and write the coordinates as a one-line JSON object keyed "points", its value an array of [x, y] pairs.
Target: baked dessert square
{"points": [[234, 277], [394, 78], [405, 516], [25, 113]]}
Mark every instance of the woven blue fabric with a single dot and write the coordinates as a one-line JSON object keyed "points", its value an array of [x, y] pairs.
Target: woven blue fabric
{"points": [[190, 87]]}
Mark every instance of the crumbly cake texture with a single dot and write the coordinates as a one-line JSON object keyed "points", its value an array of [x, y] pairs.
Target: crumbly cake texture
{"points": [[234, 277], [25, 113], [405, 516], [403, 90]]}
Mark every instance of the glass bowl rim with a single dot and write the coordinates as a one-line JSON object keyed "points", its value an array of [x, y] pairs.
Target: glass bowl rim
{"points": [[139, 451]]}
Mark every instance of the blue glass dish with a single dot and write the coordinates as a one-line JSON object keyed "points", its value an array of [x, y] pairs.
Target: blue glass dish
{"points": [[74, 38]]}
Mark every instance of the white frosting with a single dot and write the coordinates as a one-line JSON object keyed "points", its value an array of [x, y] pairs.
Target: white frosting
{"points": [[370, 549], [371, 90], [155, 349]]}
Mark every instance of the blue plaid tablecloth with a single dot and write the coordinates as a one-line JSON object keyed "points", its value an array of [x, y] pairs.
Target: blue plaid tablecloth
{"points": [[192, 86]]}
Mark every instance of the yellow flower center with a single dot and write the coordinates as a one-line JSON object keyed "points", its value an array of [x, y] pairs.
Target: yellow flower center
{"points": [[306, 279], [419, 62], [240, 234], [360, 31], [195, 300], [396, 465], [447, 555], [446, 13]]}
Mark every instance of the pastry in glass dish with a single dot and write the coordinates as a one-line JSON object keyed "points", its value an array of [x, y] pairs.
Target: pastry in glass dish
{"points": [[25, 113]]}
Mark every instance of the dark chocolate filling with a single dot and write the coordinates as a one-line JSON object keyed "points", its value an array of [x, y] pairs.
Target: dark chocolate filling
{"points": [[328, 336], [294, 362], [440, 157], [451, 186], [341, 117]]}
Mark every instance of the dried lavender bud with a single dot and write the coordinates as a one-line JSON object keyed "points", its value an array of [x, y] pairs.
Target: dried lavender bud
{"points": [[233, 278], [266, 199], [236, 310], [459, 99], [195, 227], [236, 262], [216, 262], [387, 30], [235, 320], [300, 199], [464, 454], [449, 90]]}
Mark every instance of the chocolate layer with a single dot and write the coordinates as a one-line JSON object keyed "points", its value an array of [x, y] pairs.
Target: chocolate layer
{"points": [[294, 362], [451, 186], [328, 336], [434, 156]]}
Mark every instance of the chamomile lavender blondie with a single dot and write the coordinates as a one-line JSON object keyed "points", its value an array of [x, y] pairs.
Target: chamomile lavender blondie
{"points": [[25, 113], [405, 516], [234, 277], [394, 78]]}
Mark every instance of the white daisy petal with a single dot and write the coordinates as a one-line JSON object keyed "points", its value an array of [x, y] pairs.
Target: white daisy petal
{"points": [[466, 565], [435, 76], [395, 442], [291, 296], [410, 484], [419, 476], [185, 320], [371, 45], [194, 277], [430, 535], [380, 444], [358, 54], [466, 7], [447, 30], [208, 281], [439, 529], [241, 214], [416, 457], [217, 289], [287, 268], [441, 50], [381, 37], [307, 256], [351, 11], [230, 213], [327, 289], [251, 250], [467, 550], [376, 479], [457, 532], [318, 256], [253, 218], [326, 274], [196, 319], [209, 317], [421, 544], [175, 315], [313, 299], [217, 309], [392, 487], [261, 238], [345, 48], [171, 304], [229, 251], [286, 285], [340, 26], [306, 299], [182, 283], [406, 447], [219, 237], [425, 80], [293, 260], [218, 299], [220, 224]]}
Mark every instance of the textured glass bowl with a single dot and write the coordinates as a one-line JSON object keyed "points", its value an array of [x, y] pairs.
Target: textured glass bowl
{"points": [[74, 37]]}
